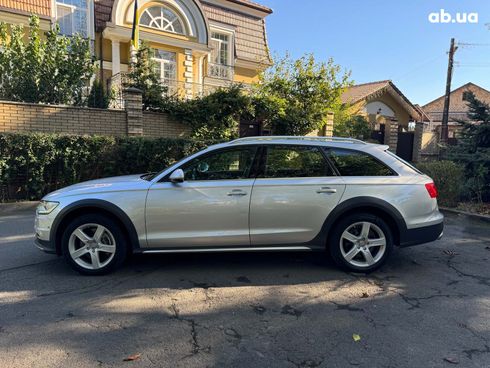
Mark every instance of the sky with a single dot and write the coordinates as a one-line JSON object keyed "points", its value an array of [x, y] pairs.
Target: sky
{"points": [[387, 39]]}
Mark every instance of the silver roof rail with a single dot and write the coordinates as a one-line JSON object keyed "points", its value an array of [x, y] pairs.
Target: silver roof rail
{"points": [[305, 138]]}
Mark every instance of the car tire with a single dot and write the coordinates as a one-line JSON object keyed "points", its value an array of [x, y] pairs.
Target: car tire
{"points": [[94, 244], [360, 242]]}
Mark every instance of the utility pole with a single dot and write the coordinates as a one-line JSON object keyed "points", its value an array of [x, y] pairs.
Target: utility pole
{"points": [[445, 113]]}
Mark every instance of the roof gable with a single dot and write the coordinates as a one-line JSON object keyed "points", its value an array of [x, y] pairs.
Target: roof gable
{"points": [[250, 34], [368, 91], [362, 91], [457, 104]]}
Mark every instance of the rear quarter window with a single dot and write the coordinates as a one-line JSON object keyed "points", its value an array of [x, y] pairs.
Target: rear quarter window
{"points": [[356, 163]]}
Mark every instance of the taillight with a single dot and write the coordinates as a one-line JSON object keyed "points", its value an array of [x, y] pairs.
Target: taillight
{"points": [[431, 189]]}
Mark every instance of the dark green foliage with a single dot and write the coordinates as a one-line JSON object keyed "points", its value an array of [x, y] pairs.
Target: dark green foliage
{"points": [[301, 93], [53, 70], [143, 76], [32, 165], [99, 97], [214, 116], [448, 177], [354, 127], [473, 150]]}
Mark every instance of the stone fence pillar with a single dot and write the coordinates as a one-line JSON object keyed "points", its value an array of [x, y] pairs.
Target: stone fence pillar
{"points": [[417, 141], [391, 135], [133, 99], [329, 125]]}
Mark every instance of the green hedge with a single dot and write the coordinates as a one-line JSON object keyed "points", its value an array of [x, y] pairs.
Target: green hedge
{"points": [[32, 165], [449, 179]]}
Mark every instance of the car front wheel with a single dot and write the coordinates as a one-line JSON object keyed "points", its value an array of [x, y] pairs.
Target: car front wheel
{"points": [[361, 242], [94, 244]]}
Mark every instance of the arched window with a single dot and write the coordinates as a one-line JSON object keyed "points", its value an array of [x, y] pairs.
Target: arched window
{"points": [[162, 18]]}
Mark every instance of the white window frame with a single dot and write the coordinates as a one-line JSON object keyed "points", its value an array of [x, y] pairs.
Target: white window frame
{"points": [[164, 62], [231, 42], [90, 16], [178, 17]]}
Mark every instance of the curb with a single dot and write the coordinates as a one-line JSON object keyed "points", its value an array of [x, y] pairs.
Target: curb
{"points": [[7, 208], [474, 216]]}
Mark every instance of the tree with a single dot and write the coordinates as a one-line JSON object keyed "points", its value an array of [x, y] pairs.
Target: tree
{"points": [[53, 69], [355, 126], [143, 76], [215, 116], [473, 149], [302, 92], [99, 97]]}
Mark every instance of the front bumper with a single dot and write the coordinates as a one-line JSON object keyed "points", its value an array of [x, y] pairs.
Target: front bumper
{"points": [[43, 225], [45, 245], [421, 235]]}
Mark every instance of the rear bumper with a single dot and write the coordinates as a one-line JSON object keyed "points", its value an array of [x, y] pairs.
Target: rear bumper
{"points": [[421, 235]]}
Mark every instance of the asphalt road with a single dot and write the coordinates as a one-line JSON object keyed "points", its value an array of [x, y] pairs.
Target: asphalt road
{"points": [[428, 307]]}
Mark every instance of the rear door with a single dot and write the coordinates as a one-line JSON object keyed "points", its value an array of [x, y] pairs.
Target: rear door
{"points": [[295, 191]]}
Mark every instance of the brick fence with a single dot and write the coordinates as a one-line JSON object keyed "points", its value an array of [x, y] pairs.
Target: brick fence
{"points": [[24, 117]]}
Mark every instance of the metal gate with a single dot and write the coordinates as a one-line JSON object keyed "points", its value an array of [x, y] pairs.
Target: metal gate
{"points": [[404, 147], [250, 129], [379, 135]]}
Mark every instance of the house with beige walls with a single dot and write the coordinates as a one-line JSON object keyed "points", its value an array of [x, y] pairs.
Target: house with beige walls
{"points": [[458, 107], [381, 102], [199, 44]]}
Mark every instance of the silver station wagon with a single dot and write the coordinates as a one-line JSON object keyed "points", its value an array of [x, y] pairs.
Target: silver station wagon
{"points": [[350, 199]]}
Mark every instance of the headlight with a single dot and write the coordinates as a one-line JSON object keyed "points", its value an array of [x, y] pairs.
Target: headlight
{"points": [[46, 207]]}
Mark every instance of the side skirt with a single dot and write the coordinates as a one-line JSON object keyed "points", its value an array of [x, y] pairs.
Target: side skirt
{"points": [[230, 249]]}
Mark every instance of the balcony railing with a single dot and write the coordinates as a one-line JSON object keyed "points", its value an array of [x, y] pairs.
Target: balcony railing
{"points": [[221, 71], [173, 88]]}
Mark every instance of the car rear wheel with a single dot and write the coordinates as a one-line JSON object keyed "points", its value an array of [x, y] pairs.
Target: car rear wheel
{"points": [[94, 244], [361, 242]]}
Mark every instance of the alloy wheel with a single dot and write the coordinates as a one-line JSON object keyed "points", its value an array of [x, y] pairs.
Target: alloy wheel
{"points": [[92, 246], [363, 244]]}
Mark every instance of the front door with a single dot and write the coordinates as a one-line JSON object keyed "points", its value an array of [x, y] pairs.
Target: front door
{"points": [[210, 208], [293, 195]]}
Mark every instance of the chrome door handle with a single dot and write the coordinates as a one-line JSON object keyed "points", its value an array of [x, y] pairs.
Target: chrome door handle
{"points": [[237, 192], [326, 190]]}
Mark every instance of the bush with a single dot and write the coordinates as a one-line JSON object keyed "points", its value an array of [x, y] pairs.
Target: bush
{"points": [[449, 179], [32, 165]]}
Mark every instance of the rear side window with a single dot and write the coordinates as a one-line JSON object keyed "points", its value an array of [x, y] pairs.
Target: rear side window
{"points": [[355, 163], [295, 162]]}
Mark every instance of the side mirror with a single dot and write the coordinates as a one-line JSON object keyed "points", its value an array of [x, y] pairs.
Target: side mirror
{"points": [[177, 176]]}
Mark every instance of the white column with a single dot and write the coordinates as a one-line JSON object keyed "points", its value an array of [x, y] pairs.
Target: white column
{"points": [[188, 73], [116, 57]]}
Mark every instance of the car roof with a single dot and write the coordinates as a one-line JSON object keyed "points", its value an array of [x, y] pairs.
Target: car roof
{"points": [[338, 142]]}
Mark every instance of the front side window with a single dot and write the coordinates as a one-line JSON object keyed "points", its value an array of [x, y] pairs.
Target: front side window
{"points": [[163, 19], [295, 162], [355, 163], [72, 17], [230, 164], [165, 65]]}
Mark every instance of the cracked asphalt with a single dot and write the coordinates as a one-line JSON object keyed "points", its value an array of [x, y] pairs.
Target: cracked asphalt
{"points": [[428, 307]]}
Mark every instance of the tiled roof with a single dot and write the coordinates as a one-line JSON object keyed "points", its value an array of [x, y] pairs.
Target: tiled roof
{"points": [[366, 91], [457, 106], [103, 10], [251, 41], [39, 7], [250, 36], [361, 91], [253, 4]]}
